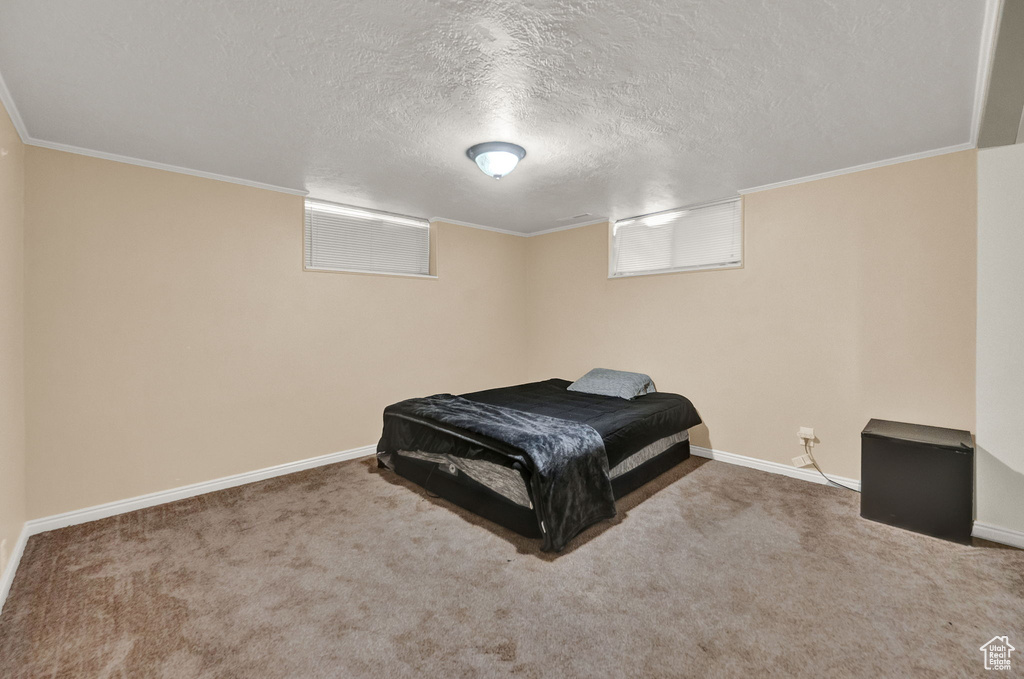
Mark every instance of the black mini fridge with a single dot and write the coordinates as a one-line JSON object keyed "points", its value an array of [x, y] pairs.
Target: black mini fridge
{"points": [[918, 477]]}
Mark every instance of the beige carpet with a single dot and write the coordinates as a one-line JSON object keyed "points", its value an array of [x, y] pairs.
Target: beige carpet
{"points": [[344, 571]]}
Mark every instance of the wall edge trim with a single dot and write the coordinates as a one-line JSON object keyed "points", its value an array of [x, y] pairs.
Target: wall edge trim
{"points": [[108, 509], [521, 234], [153, 165], [568, 227], [982, 530], [1004, 536], [921, 155], [473, 225], [986, 59], [12, 111], [7, 577], [772, 467]]}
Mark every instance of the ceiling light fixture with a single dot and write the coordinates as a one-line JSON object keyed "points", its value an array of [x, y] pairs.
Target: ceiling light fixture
{"points": [[496, 158]]}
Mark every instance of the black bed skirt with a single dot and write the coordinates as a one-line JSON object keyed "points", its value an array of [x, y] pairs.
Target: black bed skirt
{"points": [[469, 494]]}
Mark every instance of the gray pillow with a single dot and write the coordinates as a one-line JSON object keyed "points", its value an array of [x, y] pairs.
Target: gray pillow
{"points": [[614, 383]]}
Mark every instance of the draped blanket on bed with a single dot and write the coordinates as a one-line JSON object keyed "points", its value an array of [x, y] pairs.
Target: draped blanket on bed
{"points": [[568, 477]]}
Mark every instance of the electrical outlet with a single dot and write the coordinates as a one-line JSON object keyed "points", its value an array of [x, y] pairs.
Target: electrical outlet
{"points": [[806, 435], [801, 460]]}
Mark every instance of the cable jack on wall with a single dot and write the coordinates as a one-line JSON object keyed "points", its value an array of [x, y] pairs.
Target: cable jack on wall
{"points": [[806, 436]]}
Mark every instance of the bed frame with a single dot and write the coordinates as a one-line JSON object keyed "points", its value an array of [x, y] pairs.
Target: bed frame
{"points": [[469, 494]]}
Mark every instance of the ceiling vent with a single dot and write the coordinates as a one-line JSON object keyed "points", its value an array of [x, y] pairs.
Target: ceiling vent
{"points": [[582, 215]]}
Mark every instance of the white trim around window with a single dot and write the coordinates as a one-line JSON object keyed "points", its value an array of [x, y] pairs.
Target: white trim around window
{"points": [[348, 239], [693, 238]]}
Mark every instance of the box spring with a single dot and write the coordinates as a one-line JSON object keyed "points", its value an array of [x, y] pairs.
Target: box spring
{"points": [[462, 490]]}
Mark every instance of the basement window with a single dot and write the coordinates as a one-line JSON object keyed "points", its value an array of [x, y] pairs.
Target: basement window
{"points": [[706, 236], [359, 240]]}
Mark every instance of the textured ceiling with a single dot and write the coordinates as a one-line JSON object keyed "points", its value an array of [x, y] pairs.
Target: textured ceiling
{"points": [[624, 107]]}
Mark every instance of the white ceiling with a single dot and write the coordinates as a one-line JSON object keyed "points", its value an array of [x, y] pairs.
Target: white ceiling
{"points": [[624, 107]]}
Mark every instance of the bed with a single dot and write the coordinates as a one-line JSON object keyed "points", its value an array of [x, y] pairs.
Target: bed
{"points": [[478, 450]]}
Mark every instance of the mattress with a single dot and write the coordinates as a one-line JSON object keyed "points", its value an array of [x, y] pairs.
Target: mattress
{"points": [[509, 483], [625, 426]]}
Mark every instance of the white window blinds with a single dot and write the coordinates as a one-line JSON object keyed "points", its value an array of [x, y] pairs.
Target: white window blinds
{"points": [[708, 236], [344, 238]]}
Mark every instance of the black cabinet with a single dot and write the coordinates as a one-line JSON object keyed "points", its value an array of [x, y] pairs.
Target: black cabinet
{"points": [[919, 478]]}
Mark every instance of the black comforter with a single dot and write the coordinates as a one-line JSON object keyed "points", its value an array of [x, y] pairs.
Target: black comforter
{"points": [[623, 427], [568, 478]]}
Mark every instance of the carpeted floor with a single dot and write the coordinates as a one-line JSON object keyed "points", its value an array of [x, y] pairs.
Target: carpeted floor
{"points": [[346, 571]]}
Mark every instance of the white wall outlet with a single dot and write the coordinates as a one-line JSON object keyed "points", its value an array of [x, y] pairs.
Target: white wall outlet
{"points": [[806, 435], [801, 460]]}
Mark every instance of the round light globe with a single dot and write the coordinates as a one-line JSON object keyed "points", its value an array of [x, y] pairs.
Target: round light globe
{"points": [[496, 158]]}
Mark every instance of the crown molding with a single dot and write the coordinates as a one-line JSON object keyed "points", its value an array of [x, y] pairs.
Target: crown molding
{"points": [[68, 148], [471, 225], [986, 57], [19, 124], [12, 111], [297, 192], [521, 234], [860, 168], [602, 220]]}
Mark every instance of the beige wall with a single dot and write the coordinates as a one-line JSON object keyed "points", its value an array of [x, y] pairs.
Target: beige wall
{"points": [[12, 363], [173, 337], [857, 300], [1000, 461]]}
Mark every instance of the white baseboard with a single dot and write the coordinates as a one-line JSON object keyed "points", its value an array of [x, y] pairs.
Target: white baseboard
{"points": [[981, 530], [1004, 536], [811, 475], [103, 511], [161, 497], [7, 577]]}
